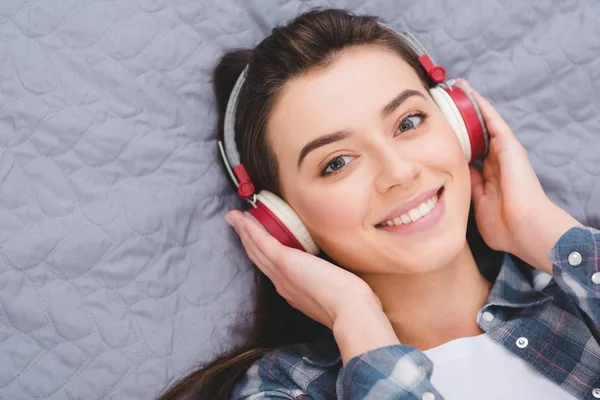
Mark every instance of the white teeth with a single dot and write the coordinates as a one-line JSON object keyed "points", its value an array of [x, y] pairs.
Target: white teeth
{"points": [[414, 214]]}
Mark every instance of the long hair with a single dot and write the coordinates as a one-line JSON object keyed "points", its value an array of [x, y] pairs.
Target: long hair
{"points": [[311, 40]]}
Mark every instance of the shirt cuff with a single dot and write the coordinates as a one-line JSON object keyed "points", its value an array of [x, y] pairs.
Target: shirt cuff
{"points": [[393, 372], [575, 260]]}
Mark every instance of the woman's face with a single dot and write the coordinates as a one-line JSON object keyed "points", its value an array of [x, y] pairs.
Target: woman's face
{"points": [[356, 143]]}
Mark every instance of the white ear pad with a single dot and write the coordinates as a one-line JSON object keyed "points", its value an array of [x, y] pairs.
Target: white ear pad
{"points": [[289, 218], [450, 110]]}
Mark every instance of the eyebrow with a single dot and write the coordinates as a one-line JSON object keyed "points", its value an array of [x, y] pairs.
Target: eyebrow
{"points": [[319, 142], [398, 100], [339, 135]]}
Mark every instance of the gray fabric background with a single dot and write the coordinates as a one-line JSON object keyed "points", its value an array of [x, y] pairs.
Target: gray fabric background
{"points": [[117, 273]]}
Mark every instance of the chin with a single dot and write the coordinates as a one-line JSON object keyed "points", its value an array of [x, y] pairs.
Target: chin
{"points": [[443, 254], [394, 258], [432, 253]]}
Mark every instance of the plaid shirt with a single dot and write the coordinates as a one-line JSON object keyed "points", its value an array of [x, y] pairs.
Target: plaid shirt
{"points": [[555, 327]]}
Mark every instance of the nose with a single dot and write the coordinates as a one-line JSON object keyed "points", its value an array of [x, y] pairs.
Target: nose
{"points": [[395, 169]]}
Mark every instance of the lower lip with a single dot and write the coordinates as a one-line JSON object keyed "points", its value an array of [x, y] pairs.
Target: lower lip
{"points": [[422, 224]]}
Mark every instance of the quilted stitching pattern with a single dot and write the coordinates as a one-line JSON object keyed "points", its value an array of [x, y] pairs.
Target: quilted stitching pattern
{"points": [[117, 273]]}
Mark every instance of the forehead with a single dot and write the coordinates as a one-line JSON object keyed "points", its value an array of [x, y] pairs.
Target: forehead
{"points": [[346, 94]]}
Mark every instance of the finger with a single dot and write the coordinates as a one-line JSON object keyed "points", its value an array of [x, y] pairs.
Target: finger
{"points": [[477, 185], [497, 127], [261, 261], [265, 243], [491, 167], [464, 83], [236, 220], [283, 260], [258, 258]]}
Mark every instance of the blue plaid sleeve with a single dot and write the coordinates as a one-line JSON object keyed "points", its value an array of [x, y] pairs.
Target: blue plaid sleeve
{"points": [[576, 269], [260, 384], [397, 372]]}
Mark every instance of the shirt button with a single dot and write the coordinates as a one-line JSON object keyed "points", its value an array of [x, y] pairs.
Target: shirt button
{"points": [[596, 278], [596, 393], [522, 342], [488, 316], [428, 396], [575, 259]]}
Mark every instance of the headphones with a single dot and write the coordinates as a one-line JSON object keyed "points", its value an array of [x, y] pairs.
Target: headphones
{"points": [[280, 220]]}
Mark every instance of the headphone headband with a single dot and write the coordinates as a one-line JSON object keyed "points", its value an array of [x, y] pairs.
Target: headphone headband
{"points": [[229, 126], [229, 152]]}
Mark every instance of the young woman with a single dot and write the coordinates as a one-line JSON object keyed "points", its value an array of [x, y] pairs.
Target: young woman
{"points": [[405, 301]]}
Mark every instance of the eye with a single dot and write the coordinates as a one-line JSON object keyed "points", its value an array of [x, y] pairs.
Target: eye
{"points": [[336, 165], [411, 122]]}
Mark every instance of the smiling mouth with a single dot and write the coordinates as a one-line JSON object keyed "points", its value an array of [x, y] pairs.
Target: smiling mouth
{"points": [[414, 214]]}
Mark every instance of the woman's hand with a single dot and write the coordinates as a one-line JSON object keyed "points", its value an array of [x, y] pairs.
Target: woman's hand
{"points": [[512, 211], [314, 286], [324, 292]]}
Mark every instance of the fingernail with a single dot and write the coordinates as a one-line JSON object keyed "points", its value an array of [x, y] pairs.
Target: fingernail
{"points": [[229, 220], [241, 223]]}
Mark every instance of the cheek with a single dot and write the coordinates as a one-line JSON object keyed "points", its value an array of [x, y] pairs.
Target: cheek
{"points": [[334, 213], [444, 153], [333, 208], [449, 157], [443, 149]]}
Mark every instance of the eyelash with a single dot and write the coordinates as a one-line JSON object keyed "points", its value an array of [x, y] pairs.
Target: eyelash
{"points": [[421, 114]]}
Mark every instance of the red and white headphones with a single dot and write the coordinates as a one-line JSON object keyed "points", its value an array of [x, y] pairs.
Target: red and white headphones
{"points": [[280, 220]]}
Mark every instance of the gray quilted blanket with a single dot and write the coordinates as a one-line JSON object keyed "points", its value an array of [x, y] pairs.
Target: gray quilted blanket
{"points": [[117, 272]]}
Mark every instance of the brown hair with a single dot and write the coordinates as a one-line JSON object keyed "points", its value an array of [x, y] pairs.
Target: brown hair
{"points": [[311, 40]]}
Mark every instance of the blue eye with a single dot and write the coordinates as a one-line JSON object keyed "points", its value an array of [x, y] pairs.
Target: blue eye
{"points": [[411, 122], [336, 165]]}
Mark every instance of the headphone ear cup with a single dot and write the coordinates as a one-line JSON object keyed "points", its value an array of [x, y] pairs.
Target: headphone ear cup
{"points": [[454, 118], [476, 127], [282, 222]]}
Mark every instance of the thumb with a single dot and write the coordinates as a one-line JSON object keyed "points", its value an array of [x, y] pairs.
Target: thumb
{"points": [[477, 185]]}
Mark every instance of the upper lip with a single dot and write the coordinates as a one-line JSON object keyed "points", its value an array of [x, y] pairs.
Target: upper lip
{"points": [[413, 202]]}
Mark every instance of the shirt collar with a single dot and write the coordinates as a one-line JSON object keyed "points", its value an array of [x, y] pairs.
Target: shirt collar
{"points": [[513, 288]]}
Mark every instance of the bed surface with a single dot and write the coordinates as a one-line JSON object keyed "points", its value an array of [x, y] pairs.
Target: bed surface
{"points": [[117, 272]]}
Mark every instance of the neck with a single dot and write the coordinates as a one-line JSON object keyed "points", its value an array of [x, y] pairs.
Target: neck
{"points": [[427, 310]]}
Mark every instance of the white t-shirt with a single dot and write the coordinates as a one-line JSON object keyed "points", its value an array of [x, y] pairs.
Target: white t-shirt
{"points": [[475, 368]]}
